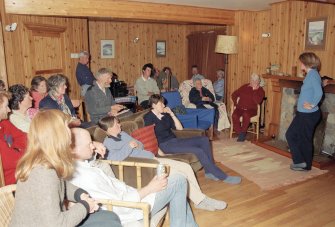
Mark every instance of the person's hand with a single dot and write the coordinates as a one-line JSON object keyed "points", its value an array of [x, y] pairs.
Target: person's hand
{"points": [[93, 205], [158, 183], [133, 144], [150, 93], [113, 113], [308, 106], [206, 99], [117, 107], [99, 148], [168, 110]]}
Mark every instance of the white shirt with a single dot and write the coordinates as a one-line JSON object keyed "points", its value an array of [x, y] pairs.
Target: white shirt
{"points": [[101, 186], [20, 121]]}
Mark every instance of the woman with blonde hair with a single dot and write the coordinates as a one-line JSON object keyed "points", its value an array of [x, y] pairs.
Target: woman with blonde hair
{"points": [[42, 173]]}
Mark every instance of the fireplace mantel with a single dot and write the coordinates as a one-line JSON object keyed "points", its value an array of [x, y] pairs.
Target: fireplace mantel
{"points": [[274, 87]]}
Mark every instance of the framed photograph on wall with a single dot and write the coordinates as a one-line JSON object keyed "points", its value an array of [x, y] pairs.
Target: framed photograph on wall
{"points": [[316, 30], [160, 48], [107, 49]]}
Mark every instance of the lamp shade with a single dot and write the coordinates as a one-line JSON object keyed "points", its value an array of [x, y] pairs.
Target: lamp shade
{"points": [[226, 44]]}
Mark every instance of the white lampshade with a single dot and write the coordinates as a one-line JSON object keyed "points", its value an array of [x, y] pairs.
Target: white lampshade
{"points": [[226, 44]]}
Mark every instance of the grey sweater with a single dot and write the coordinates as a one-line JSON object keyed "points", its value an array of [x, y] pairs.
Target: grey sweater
{"points": [[39, 201], [97, 102]]}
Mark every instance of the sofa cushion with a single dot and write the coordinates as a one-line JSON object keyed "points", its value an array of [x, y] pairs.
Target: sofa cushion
{"points": [[147, 136]]}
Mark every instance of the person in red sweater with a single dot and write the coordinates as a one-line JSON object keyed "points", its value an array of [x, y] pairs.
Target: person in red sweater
{"points": [[13, 142], [246, 99]]}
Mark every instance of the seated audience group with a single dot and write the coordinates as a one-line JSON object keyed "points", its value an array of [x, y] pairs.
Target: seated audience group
{"points": [[47, 152]]}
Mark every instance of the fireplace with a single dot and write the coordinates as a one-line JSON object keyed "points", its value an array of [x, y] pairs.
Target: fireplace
{"points": [[282, 93]]}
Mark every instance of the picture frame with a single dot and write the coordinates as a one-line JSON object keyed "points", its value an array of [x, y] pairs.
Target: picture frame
{"points": [[160, 48], [316, 31], [107, 48]]}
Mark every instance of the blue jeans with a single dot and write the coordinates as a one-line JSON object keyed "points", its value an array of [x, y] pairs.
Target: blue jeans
{"points": [[175, 196], [199, 146]]}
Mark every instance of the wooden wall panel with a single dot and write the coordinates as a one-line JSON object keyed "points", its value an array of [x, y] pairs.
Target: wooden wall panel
{"points": [[130, 56], [3, 68], [20, 59]]}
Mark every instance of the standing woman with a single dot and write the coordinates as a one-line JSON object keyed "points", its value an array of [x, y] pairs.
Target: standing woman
{"points": [[41, 174], [165, 120], [300, 133]]}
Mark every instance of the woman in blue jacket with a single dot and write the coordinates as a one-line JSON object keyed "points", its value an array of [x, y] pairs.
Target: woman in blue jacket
{"points": [[300, 133]]}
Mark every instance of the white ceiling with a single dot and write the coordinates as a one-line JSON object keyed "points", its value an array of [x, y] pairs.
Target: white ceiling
{"points": [[253, 5]]}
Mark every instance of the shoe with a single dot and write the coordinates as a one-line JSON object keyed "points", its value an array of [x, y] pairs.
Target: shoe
{"points": [[232, 180], [297, 168], [211, 177], [241, 137], [211, 204], [299, 165]]}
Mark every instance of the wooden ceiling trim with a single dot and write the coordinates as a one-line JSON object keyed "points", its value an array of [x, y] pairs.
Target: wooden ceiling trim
{"points": [[121, 10]]}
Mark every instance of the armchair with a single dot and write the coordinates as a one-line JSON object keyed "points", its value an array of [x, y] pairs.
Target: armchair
{"points": [[158, 218], [6, 204], [185, 88]]}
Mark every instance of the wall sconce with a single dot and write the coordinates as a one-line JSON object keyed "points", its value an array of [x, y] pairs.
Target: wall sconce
{"points": [[136, 39], [266, 35], [11, 27]]}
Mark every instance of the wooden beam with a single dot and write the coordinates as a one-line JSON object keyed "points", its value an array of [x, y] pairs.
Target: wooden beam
{"points": [[121, 10]]}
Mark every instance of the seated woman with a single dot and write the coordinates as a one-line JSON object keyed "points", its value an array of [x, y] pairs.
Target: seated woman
{"points": [[166, 81], [165, 120], [13, 141], [42, 174], [58, 99], [219, 85], [100, 182], [200, 96], [20, 104], [39, 90], [120, 145]]}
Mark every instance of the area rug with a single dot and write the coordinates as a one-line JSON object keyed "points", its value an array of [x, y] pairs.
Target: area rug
{"points": [[263, 167]]}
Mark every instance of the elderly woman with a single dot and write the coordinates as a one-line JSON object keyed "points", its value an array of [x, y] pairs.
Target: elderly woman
{"points": [[20, 103], [39, 90], [165, 120], [12, 141], [58, 99], [219, 85]]}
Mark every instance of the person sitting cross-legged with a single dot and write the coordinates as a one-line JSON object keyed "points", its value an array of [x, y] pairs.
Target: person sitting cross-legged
{"points": [[99, 181], [121, 145]]}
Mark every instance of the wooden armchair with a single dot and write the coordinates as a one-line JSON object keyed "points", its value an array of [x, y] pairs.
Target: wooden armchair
{"points": [[6, 204], [255, 120], [2, 176], [157, 219]]}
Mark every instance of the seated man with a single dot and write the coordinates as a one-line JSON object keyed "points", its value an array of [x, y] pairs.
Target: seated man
{"points": [[145, 86], [99, 181], [200, 96], [98, 98], [195, 73], [120, 145], [13, 142], [246, 99]]}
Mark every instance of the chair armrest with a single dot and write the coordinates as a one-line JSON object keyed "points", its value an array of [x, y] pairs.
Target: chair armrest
{"points": [[187, 133], [136, 205]]}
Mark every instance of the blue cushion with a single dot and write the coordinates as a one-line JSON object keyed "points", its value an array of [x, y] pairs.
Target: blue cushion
{"points": [[172, 99]]}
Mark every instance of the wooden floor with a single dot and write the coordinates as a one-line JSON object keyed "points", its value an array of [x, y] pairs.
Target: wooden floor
{"points": [[309, 203]]}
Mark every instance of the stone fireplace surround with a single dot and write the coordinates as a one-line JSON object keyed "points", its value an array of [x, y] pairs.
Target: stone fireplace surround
{"points": [[280, 92]]}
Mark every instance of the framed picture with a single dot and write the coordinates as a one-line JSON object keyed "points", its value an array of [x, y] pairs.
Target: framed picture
{"points": [[107, 49], [316, 30], [160, 48]]}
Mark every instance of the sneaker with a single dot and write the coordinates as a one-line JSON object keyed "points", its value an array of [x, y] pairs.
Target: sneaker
{"points": [[232, 180], [241, 137], [211, 176]]}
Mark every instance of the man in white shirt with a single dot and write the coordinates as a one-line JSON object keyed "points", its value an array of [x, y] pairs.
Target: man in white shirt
{"points": [[145, 86], [99, 181]]}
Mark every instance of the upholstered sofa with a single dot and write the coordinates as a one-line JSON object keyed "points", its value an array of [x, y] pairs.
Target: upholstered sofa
{"points": [[135, 121]]}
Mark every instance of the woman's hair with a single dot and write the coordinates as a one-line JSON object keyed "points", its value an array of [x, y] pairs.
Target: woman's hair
{"points": [[107, 122], [18, 93], [55, 81], [49, 141], [167, 68], [35, 82], [4, 94], [154, 99], [310, 60]]}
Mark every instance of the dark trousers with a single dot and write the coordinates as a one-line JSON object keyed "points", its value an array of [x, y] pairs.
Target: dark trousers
{"points": [[300, 137], [246, 115], [217, 114], [101, 218], [199, 146]]}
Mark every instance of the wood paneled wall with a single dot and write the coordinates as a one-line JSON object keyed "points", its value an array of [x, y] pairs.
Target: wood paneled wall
{"points": [[130, 56], [3, 71], [22, 61]]}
